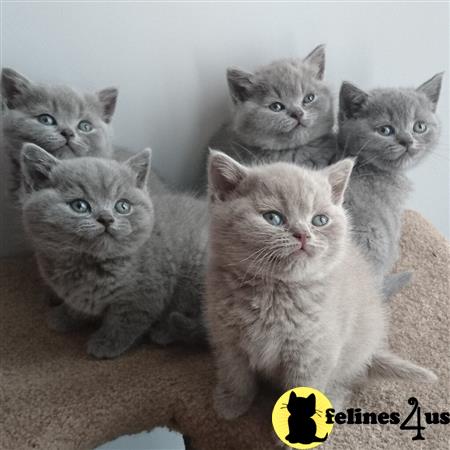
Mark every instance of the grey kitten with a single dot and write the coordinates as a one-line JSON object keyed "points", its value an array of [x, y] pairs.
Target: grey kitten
{"points": [[57, 118], [387, 131], [289, 297], [112, 253], [281, 112]]}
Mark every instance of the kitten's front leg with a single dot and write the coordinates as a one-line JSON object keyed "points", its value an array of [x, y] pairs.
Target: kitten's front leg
{"points": [[312, 373], [236, 387], [122, 326]]}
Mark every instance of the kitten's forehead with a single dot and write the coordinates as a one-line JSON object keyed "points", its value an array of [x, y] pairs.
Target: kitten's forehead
{"points": [[290, 185], [288, 78], [397, 105], [60, 100], [95, 178]]}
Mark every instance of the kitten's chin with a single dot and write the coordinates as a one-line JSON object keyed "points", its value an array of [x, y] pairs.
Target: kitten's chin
{"points": [[277, 140], [300, 266], [403, 162], [108, 250], [410, 160], [103, 244], [70, 150]]}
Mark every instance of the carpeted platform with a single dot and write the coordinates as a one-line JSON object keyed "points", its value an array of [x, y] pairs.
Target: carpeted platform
{"points": [[54, 396]]}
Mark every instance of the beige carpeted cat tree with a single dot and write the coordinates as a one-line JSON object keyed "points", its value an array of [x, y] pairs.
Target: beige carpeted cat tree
{"points": [[54, 396]]}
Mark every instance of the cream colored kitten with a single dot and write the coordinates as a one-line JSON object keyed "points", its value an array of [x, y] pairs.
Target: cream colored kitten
{"points": [[289, 296]]}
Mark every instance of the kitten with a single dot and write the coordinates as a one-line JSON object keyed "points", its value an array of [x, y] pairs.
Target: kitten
{"points": [[62, 121], [288, 295], [111, 252], [282, 112], [387, 131]]}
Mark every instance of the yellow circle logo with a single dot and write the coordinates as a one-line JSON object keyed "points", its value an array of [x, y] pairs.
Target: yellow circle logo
{"points": [[299, 418]]}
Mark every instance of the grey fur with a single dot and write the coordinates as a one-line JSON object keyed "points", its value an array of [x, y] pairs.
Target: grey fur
{"points": [[133, 274], [379, 187], [256, 133], [297, 318], [23, 101]]}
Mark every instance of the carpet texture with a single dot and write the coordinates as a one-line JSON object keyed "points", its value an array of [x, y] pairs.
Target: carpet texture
{"points": [[54, 396]]}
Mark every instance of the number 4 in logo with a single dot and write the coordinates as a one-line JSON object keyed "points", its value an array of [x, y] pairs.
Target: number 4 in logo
{"points": [[404, 426]]}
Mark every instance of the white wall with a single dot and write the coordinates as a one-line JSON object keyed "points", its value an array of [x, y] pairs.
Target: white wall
{"points": [[169, 62]]}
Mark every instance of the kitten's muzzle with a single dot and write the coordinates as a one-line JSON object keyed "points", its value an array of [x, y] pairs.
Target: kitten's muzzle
{"points": [[105, 219], [302, 238], [68, 133], [405, 140], [298, 116]]}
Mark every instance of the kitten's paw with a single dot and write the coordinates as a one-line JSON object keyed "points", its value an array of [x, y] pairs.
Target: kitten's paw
{"points": [[228, 405], [106, 346], [58, 320], [161, 337]]}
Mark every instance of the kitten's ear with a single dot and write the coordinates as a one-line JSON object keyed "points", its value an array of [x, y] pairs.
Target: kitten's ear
{"points": [[239, 83], [37, 165], [224, 174], [108, 99], [316, 59], [292, 396], [338, 175], [140, 164], [14, 85], [351, 100], [432, 88]]}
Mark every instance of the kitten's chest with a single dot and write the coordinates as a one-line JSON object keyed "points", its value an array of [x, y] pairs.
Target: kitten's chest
{"points": [[387, 190], [376, 202], [279, 318], [86, 287]]}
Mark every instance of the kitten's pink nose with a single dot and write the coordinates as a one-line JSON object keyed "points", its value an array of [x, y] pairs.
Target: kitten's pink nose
{"points": [[302, 237]]}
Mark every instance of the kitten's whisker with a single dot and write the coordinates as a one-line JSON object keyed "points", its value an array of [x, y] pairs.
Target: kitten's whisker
{"points": [[244, 148]]}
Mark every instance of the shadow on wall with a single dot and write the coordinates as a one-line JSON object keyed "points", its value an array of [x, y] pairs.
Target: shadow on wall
{"points": [[12, 236]]}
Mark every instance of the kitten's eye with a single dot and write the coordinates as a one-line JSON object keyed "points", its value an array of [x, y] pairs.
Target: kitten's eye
{"points": [[386, 130], [420, 127], [277, 107], [80, 206], [85, 126], [309, 99], [46, 119], [123, 206], [320, 220], [274, 218]]}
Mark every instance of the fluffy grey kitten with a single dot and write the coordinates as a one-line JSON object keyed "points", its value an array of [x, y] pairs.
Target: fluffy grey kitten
{"points": [[57, 118], [387, 131], [289, 297], [281, 112], [113, 254]]}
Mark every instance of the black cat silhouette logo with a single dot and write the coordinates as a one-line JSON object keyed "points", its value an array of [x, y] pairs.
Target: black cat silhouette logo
{"points": [[302, 427], [299, 418]]}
